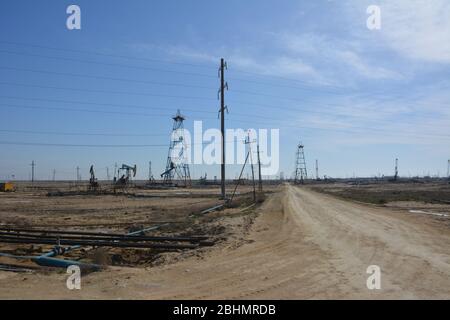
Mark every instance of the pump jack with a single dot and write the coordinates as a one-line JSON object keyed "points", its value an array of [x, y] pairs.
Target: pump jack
{"points": [[93, 182], [125, 178]]}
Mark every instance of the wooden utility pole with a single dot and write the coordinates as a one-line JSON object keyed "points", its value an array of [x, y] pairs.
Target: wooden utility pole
{"points": [[223, 86], [251, 165], [317, 169], [259, 170], [240, 176], [396, 169], [150, 173], [33, 164]]}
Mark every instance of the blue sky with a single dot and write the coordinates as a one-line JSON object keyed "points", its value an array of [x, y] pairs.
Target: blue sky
{"points": [[356, 98]]}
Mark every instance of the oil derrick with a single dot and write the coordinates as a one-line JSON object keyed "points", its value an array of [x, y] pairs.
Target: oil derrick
{"points": [[177, 167], [300, 165]]}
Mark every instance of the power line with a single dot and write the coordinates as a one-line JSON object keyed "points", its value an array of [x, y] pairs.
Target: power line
{"points": [[171, 84], [103, 104], [107, 78], [22, 143], [162, 70], [45, 144], [346, 130], [252, 121], [166, 96], [86, 110], [334, 114], [156, 70], [151, 60], [172, 71], [103, 91], [109, 64], [283, 107], [165, 71], [282, 78], [157, 83], [186, 85], [105, 54], [82, 133]]}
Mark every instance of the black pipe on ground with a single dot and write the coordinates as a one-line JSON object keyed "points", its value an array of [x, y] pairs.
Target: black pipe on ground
{"points": [[96, 243], [108, 237]]}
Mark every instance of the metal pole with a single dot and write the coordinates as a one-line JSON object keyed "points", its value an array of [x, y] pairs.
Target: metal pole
{"points": [[222, 124]]}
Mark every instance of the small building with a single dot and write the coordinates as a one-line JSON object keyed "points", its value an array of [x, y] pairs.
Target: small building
{"points": [[7, 187]]}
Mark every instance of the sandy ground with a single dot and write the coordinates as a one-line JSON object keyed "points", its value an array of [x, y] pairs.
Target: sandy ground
{"points": [[303, 245]]}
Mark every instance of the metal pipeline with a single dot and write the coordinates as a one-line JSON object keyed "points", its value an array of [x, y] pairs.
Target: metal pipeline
{"points": [[48, 260], [48, 257], [61, 263]]}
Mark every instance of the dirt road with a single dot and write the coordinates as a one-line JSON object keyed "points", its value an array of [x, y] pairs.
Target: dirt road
{"points": [[302, 245]]}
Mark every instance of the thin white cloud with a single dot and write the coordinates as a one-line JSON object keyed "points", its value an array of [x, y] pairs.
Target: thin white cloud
{"points": [[415, 29], [367, 70], [418, 29], [333, 53], [280, 65], [189, 53]]}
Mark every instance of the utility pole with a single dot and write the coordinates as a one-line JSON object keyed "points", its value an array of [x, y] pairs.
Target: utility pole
{"points": [[107, 174], [396, 169], [54, 174], [33, 164], [251, 165], [317, 169], [448, 169], [259, 169], [78, 173], [239, 179], [150, 173], [223, 86]]}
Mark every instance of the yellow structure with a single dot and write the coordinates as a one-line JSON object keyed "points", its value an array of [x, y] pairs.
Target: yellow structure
{"points": [[7, 187]]}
